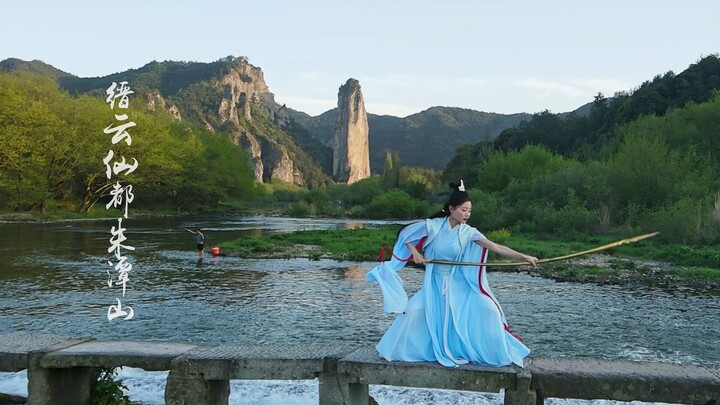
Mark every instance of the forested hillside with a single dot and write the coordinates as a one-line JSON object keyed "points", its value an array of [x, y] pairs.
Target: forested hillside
{"points": [[52, 147], [585, 135], [219, 96], [647, 159]]}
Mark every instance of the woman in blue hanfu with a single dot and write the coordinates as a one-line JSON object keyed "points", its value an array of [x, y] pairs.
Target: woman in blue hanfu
{"points": [[454, 318]]}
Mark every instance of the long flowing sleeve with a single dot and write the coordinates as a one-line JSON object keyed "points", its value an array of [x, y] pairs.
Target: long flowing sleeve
{"points": [[385, 274], [454, 318]]}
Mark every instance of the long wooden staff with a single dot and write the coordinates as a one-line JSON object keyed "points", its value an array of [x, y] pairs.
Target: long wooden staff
{"points": [[552, 259]]}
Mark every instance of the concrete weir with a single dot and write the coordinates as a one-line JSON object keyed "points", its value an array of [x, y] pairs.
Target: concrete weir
{"points": [[60, 368]]}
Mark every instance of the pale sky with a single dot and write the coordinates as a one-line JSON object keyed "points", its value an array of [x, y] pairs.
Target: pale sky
{"points": [[488, 55]]}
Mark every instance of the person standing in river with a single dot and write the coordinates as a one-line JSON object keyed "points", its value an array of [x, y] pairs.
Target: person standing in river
{"points": [[200, 240], [454, 318]]}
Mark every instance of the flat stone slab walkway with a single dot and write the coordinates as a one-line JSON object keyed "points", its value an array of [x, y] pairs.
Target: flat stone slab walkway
{"points": [[238, 362], [14, 347], [147, 355], [593, 378], [367, 367], [60, 366]]}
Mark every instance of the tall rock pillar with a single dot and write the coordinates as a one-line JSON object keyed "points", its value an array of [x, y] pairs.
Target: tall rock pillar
{"points": [[351, 154]]}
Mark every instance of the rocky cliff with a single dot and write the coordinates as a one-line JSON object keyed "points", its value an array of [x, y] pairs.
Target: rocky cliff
{"points": [[243, 86], [351, 155], [228, 95], [248, 111]]}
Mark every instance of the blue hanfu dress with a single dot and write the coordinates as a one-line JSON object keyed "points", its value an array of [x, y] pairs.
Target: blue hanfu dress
{"points": [[454, 318]]}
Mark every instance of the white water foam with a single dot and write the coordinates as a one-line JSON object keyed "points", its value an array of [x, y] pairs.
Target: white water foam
{"points": [[14, 383], [148, 387], [639, 353]]}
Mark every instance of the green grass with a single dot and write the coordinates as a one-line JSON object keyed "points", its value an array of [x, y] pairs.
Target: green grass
{"points": [[361, 244], [696, 273], [250, 246], [366, 242], [364, 245]]}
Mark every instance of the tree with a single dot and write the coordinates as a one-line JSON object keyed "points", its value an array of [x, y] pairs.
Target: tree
{"points": [[38, 152], [467, 157], [386, 178], [395, 172], [644, 171], [521, 166]]}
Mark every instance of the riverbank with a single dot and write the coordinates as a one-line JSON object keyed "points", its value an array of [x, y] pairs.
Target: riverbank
{"points": [[60, 216], [604, 269], [628, 264], [648, 262]]}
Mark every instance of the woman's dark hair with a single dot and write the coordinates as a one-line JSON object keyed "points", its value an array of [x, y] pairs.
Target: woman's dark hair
{"points": [[456, 198]]}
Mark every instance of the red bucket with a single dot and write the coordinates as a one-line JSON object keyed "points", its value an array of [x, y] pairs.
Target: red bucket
{"points": [[215, 251]]}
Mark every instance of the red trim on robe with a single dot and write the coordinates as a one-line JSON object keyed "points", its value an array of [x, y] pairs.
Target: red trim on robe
{"points": [[483, 255]]}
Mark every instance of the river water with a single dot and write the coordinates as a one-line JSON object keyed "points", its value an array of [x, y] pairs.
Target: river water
{"points": [[53, 280]]}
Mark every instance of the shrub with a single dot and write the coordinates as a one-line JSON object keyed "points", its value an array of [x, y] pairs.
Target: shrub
{"points": [[362, 191], [106, 390], [573, 217], [685, 221], [394, 204], [499, 235], [487, 211], [300, 210]]}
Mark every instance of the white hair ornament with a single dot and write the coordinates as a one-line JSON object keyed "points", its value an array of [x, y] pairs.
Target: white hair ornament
{"points": [[462, 186]]}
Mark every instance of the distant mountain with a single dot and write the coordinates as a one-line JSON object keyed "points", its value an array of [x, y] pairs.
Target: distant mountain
{"points": [[231, 95], [593, 126], [426, 139], [35, 66], [582, 111]]}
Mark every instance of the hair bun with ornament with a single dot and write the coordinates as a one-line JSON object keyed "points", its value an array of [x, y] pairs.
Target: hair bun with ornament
{"points": [[458, 187]]}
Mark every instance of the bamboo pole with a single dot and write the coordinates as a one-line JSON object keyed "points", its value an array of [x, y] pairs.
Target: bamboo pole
{"points": [[552, 259]]}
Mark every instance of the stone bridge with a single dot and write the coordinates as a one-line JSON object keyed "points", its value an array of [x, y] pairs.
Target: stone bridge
{"points": [[60, 367]]}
